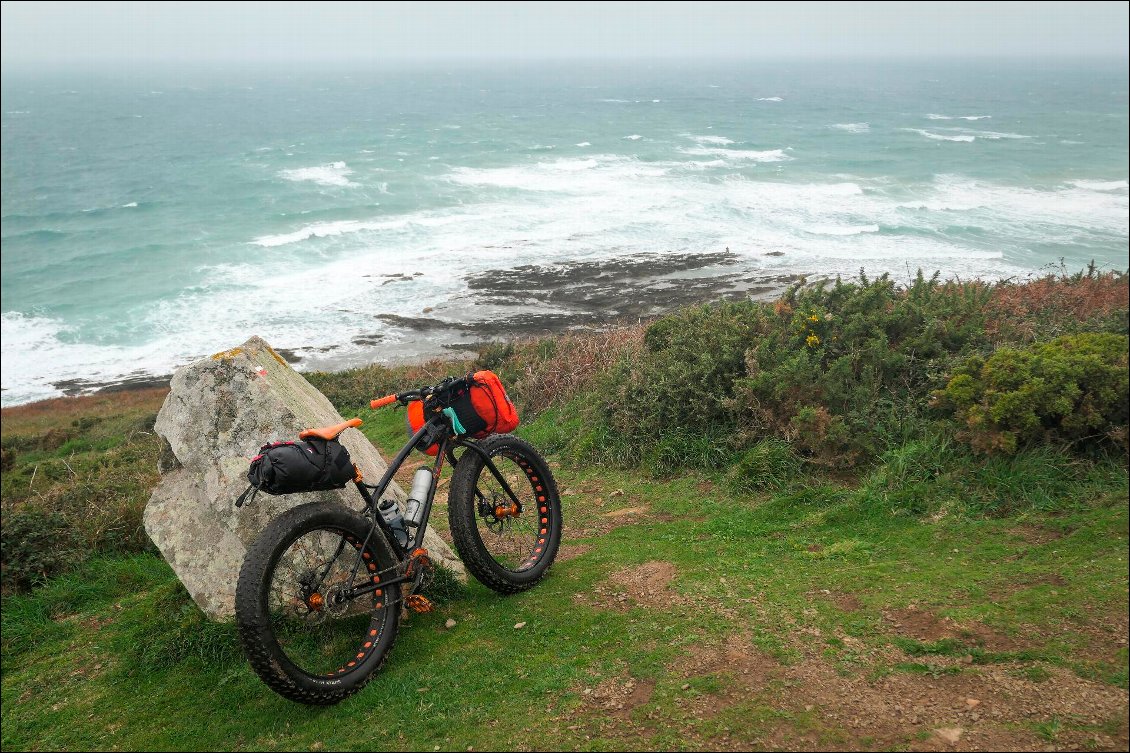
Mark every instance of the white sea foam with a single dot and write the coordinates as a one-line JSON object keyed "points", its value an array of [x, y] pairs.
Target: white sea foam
{"points": [[129, 205], [768, 155], [852, 127], [720, 140], [584, 143], [992, 135], [323, 230], [695, 164], [770, 99], [1100, 185], [634, 137], [842, 230], [964, 137], [333, 174]]}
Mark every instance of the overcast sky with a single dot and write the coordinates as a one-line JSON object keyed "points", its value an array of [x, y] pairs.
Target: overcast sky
{"points": [[100, 32]]}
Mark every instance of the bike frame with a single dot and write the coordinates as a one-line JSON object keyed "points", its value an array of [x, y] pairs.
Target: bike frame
{"points": [[372, 493]]}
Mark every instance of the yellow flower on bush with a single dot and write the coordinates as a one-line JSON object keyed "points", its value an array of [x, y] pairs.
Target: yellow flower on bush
{"points": [[814, 318], [812, 341]]}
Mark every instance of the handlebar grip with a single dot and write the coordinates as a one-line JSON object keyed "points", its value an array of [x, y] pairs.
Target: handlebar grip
{"points": [[382, 402]]}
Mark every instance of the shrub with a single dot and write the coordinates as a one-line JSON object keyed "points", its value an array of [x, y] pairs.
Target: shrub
{"points": [[35, 544], [1073, 389]]}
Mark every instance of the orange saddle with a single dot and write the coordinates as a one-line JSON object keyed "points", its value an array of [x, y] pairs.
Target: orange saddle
{"points": [[330, 432]]}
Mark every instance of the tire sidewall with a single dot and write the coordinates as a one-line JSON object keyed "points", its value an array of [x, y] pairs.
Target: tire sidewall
{"points": [[463, 511], [260, 644]]}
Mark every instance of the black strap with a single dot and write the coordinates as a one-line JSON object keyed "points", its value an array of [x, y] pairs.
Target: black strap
{"points": [[251, 489]]}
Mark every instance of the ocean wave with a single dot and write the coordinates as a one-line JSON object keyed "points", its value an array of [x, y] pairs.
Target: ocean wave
{"points": [[963, 137], [323, 230], [634, 137], [719, 140], [332, 174], [852, 127], [842, 230], [584, 143], [935, 116], [993, 135], [702, 164], [770, 99], [768, 155], [1100, 185], [576, 175], [130, 205]]}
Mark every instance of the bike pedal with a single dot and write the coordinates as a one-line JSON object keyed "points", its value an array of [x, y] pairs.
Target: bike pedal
{"points": [[418, 604]]}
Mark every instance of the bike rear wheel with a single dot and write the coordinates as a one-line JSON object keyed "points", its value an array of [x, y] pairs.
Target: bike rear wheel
{"points": [[302, 631], [507, 546]]}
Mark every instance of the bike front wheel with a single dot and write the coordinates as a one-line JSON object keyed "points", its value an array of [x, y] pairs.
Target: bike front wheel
{"points": [[313, 621], [506, 542]]}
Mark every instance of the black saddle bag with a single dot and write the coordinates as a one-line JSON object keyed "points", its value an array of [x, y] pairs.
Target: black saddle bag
{"points": [[307, 465]]}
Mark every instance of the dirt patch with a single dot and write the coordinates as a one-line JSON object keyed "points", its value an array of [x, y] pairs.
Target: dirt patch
{"points": [[597, 521], [923, 625], [978, 709], [619, 695], [729, 695], [646, 585], [736, 656], [1035, 535], [842, 601]]}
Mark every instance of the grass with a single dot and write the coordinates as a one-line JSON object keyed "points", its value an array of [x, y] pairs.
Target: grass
{"points": [[116, 655]]}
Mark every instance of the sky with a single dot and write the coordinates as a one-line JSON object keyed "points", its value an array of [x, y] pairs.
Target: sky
{"points": [[68, 33]]}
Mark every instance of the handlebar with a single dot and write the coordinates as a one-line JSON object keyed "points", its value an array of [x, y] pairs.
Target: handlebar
{"points": [[422, 393], [382, 402]]}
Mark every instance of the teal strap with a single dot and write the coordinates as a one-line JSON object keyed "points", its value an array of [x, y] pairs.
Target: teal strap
{"points": [[450, 413]]}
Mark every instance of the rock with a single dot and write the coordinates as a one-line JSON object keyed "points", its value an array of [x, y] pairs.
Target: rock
{"points": [[450, 623], [219, 411], [519, 626], [950, 734], [972, 703]]}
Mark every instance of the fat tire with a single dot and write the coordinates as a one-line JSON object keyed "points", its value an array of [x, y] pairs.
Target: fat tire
{"points": [[255, 632], [462, 512]]}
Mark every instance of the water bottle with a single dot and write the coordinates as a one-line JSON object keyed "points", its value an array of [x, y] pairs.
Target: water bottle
{"points": [[421, 485], [390, 511]]}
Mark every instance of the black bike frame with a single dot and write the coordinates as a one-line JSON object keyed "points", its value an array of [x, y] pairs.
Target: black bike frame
{"points": [[372, 493]]}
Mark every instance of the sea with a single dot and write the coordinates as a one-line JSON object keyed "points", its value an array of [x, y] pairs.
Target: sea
{"points": [[350, 215]]}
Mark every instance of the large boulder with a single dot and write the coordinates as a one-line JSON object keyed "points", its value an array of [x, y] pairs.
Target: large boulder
{"points": [[219, 412]]}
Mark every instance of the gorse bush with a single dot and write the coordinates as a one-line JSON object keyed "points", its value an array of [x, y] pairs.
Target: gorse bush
{"points": [[1071, 389], [844, 367], [839, 370]]}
